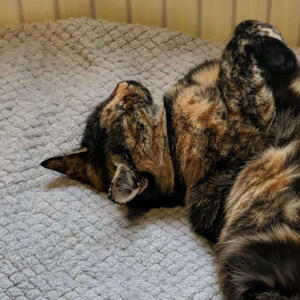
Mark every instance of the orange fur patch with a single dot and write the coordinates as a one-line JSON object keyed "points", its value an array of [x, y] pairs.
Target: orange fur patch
{"points": [[109, 112], [263, 179], [295, 86], [208, 76]]}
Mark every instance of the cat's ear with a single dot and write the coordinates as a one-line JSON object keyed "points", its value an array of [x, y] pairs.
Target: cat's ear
{"points": [[276, 57], [73, 165], [126, 184]]}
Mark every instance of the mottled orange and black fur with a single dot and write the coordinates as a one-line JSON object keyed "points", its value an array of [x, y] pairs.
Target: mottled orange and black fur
{"points": [[191, 150], [125, 151], [258, 254], [258, 250], [188, 151], [220, 115]]}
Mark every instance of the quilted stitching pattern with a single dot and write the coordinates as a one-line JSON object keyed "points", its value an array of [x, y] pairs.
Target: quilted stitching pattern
{"points": [[59, 239]]}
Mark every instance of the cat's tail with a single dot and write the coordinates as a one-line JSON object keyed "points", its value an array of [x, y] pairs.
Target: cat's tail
{"points": [[266, 266]]}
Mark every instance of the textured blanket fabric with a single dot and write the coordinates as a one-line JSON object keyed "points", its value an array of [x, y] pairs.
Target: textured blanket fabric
{"points": [[60, 239]]}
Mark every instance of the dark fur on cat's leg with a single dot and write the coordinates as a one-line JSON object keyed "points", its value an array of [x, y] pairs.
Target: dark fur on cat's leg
{"points": [[207, 215]]}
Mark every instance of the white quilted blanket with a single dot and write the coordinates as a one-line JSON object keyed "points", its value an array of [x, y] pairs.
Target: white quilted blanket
{"points": [[59, 239]]}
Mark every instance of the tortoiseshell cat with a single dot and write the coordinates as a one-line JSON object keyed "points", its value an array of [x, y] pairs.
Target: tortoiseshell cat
{"points": [[215, 119]]}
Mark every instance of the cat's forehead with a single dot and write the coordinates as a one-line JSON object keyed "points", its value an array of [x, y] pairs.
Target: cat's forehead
{"points": [[129, 110], [127, 98]]}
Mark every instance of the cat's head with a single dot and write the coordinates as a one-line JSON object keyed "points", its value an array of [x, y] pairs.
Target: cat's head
{"points": [[261, 46], [124, 150]]}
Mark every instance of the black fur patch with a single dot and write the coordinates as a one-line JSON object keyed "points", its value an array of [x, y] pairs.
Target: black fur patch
{"points": [[269, 268], [276, 57], [180, 187]]}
